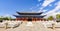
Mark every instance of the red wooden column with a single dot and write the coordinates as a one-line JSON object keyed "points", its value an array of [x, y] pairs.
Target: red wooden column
{"points": [[17, 19], [32, 19], [36, 19], [26, 18]]}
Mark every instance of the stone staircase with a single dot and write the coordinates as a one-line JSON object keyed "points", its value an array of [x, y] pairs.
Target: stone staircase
{"points": [[35, 27]]}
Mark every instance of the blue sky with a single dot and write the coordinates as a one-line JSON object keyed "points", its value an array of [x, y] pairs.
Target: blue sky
{"points": [[9, 7]]}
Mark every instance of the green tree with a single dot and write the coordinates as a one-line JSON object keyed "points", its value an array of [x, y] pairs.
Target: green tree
{"points": [[58, 17], [1, 17], [50, 18], [7, 18]]}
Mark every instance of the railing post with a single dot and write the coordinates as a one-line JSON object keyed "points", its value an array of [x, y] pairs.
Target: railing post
{"points": [[6, 25], [53, 26]]}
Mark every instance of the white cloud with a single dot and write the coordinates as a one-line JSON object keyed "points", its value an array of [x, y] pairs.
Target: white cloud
{"points": [[8, 15], [39, 0], [44, 10], [47, 2], [41, 9], [54, 15], [53, 12]]}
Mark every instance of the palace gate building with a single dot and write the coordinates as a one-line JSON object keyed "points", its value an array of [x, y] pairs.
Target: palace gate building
{"points": [[29, 16]]}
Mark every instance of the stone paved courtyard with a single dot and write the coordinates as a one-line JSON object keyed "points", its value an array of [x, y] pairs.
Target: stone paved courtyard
{"points": [[36, 27]]}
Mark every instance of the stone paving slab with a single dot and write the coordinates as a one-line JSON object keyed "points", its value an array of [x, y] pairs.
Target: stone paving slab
{"points": [[36, 27]]}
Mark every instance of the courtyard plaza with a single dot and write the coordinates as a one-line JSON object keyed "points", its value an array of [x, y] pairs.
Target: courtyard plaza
{"points": [[34, 26]]}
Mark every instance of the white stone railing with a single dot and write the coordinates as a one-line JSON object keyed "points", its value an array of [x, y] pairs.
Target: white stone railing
{"points": [[11, 24]]}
